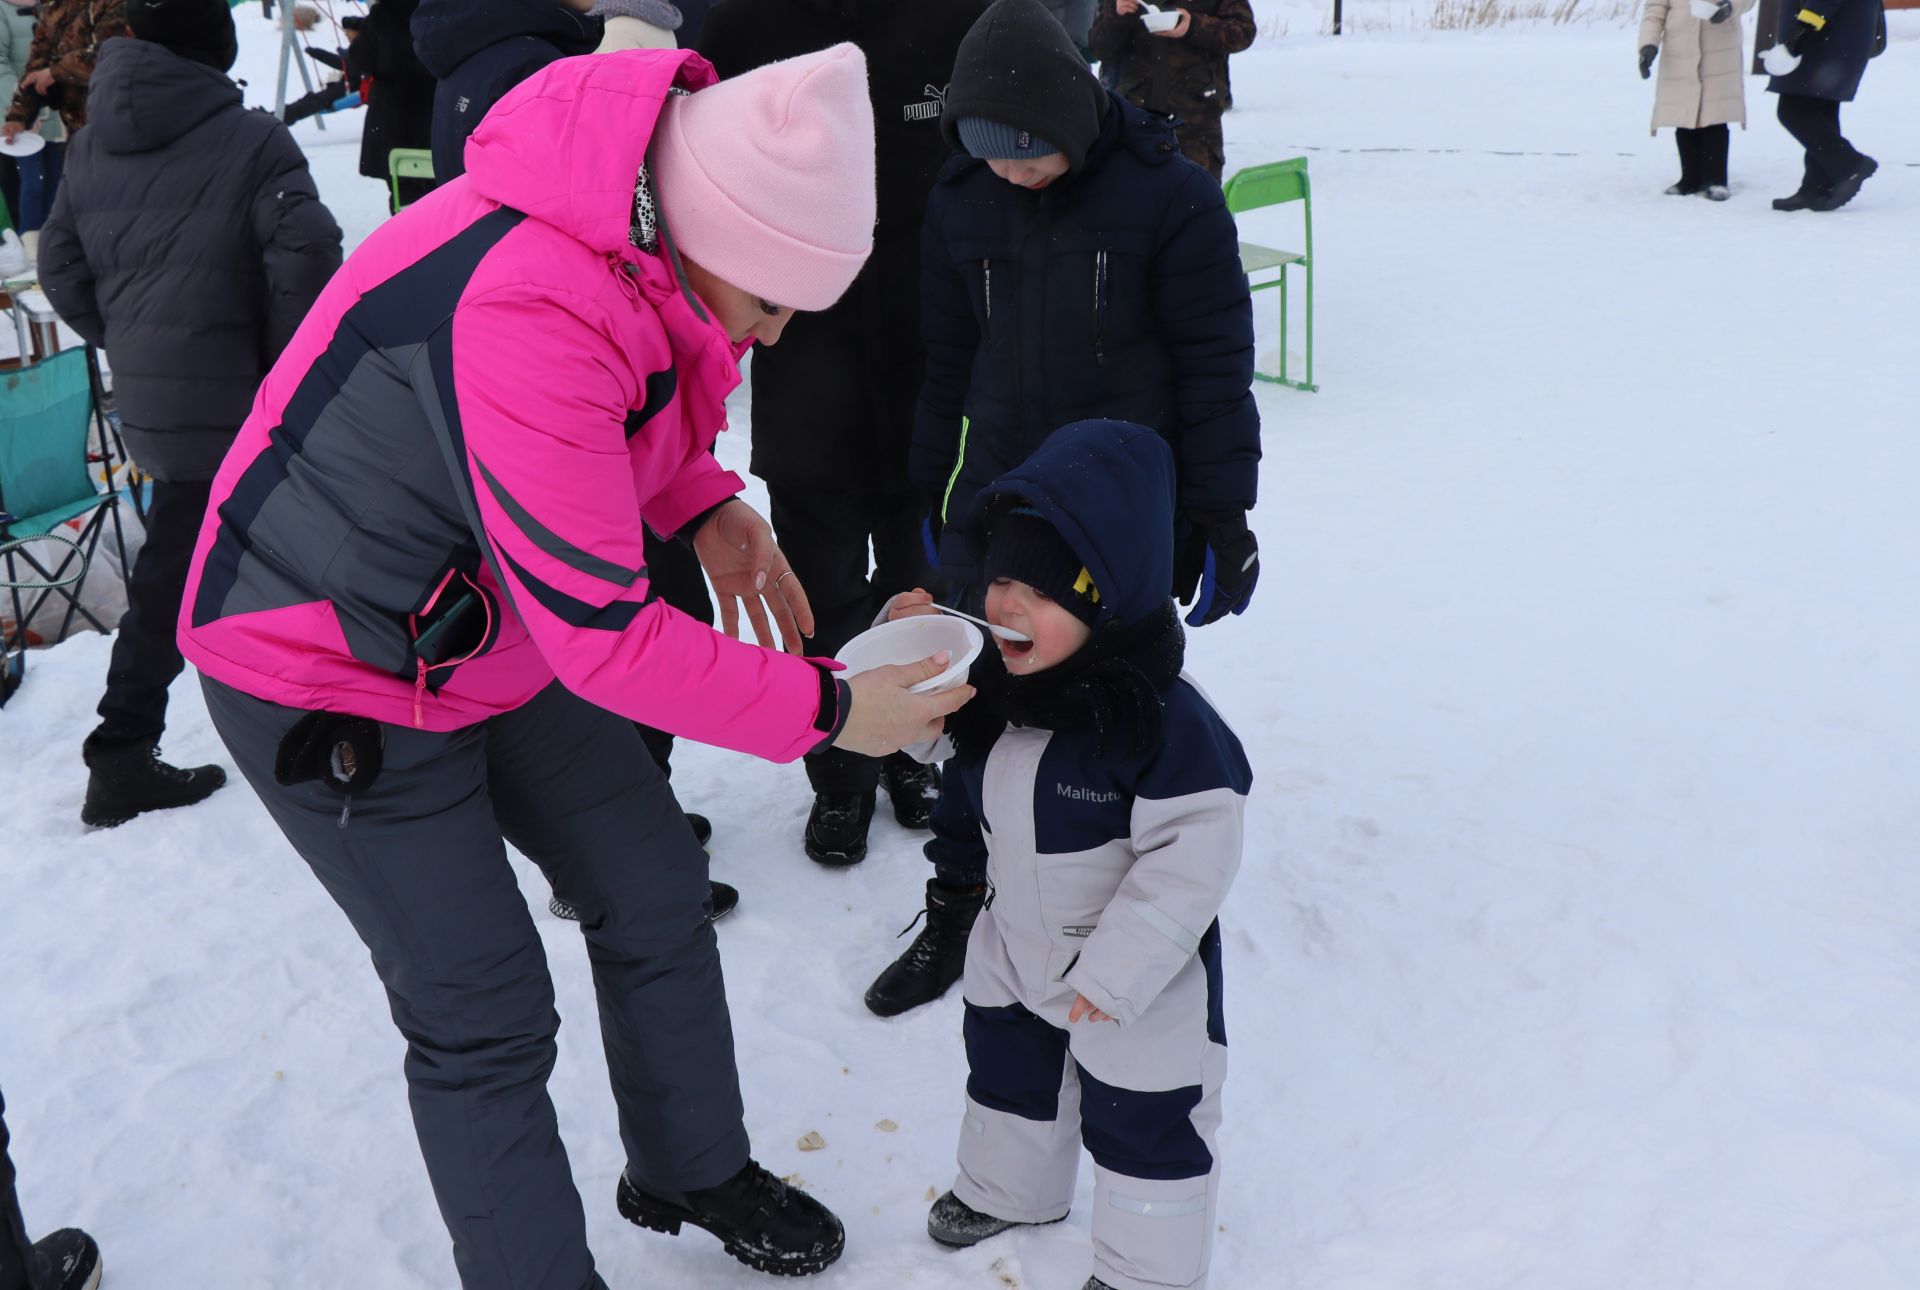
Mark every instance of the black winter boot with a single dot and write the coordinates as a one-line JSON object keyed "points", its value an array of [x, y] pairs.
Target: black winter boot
{"points": [[837, 827], [912, 787], [953, 1222], [1846, 186], [760, 1220], [935, 959], [130, 778], [68, 1260]]}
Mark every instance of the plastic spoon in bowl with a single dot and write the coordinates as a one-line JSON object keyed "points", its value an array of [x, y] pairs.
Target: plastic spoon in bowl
{"points": [[1004, 633]]}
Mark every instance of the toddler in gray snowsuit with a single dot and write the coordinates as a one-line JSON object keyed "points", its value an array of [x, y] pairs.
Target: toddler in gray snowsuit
{"points": [[1110, 797]]}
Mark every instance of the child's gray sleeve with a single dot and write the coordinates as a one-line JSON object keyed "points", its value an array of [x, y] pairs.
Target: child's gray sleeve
{"points": [[1188, 819]]}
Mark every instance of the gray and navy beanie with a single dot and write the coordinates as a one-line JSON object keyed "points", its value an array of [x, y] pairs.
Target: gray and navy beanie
{"points": [[991, 140], [1023, 546]]}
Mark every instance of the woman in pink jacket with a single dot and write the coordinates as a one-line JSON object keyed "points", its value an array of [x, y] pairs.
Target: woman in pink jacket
{"points": [[422, 612]]}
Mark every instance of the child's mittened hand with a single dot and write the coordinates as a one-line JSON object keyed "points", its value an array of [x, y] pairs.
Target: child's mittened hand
{"points": [[910, 604], [1083, 1007]]}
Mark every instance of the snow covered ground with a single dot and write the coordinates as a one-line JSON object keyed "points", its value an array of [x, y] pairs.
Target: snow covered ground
{"points": [[1577, 937]]}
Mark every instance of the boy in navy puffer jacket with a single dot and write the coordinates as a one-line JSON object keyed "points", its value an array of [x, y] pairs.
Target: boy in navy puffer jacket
{"points": [[1074, 266], [1112, 796]]}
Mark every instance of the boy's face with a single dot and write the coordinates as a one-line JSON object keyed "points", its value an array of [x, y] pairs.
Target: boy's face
{"points": [[1036, 173], [1057, 635]]}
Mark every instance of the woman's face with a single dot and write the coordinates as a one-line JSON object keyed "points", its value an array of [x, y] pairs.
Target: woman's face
{"points": [[744, 315], [1035, 174]]}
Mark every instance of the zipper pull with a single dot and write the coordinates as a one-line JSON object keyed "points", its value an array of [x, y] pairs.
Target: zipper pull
{"points": [[419, 694], [346, 809]]}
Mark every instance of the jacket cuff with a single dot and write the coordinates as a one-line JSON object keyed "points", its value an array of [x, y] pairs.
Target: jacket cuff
{"points": [[1083, 983], [836, 702]]}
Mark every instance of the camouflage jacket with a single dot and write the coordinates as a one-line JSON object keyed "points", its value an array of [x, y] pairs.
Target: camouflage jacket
{"points": [[1187, 77], [66, 40]]}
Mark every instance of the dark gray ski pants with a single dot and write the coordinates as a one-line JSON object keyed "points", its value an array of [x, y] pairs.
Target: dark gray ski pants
{"points": [[421, 871]]}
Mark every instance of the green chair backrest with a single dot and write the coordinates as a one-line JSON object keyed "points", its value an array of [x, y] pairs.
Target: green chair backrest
{"points": [[46, 410], [410, 163], [1268, 185]]}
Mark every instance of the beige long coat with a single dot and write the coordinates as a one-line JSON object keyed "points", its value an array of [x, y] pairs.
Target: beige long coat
{"points": [[1700, 70]]}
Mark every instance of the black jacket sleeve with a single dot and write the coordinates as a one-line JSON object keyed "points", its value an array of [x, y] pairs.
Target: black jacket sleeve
{"points": [[298, 238], [1204, 312], [1112, 35], [65, 274], [951, 336]]}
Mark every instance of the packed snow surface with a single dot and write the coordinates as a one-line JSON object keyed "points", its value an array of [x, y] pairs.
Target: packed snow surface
{"points": [[1577, 938]]}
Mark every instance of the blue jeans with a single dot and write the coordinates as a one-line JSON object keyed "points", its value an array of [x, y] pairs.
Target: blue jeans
{"points": [[39, 182]]}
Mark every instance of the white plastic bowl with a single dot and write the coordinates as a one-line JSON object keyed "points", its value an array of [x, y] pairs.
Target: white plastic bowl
{"points": [[24, 144], [1164, 20], [908, 640], [1702, 9]]}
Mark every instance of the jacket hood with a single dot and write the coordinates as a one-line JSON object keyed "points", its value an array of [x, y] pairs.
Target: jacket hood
{"points": [[446, 33], [1018, 66], [144, 96], [1107, 488], [566, 144]]}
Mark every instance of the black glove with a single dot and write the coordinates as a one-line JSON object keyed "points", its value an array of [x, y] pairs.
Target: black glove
{"points": [[1647, 53], [1216, 563], [1803, 31], [1721, 12]]}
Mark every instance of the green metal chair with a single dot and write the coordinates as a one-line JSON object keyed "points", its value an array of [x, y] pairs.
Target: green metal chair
{"points": [[45, 481], [407, 163], [1273, 185]]}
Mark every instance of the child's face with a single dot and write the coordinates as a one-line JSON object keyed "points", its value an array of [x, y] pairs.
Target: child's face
{"points": [[1036, 173], [1057, 635]]}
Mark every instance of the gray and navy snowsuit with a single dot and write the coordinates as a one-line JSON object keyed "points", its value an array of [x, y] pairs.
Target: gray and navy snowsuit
{"points": [[1108, 871]]}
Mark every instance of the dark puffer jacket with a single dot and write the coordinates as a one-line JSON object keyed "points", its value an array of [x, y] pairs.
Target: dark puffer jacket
{"points": [[400, 113], [1834, 58], [188, 242], [480, 49], [1187, 77], [1115, 292], [833, 401]]}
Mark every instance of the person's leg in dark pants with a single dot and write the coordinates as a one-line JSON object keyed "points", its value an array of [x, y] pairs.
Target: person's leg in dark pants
{"points": [[127, 778], [1204, 144], [1687, 143], [421, 872], [66, 1260], [1835, 168], [827, 538], [1714, 142]]}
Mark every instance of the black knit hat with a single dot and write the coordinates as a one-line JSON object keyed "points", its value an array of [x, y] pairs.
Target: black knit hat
{"points": [[1018, 67], [201, 30], [1024, 547]]}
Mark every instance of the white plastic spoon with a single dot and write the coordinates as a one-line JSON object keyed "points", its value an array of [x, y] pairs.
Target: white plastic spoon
{"points": [[1004, 633]]}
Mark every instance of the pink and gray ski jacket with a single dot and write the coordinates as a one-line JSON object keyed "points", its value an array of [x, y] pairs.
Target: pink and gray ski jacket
{"points": [[498, 359]]}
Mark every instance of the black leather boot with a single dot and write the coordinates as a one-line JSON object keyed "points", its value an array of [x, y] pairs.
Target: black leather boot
{"points": [[760, 1220], [128, 779], [912, 787], [935, 959], [837, 827]]}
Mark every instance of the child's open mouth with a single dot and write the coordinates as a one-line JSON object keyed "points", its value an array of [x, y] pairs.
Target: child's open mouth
{"points": [[1011, 650]]}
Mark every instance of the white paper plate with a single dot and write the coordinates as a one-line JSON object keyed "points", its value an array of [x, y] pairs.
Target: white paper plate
{"points": [[24, 144], [908, 640]]}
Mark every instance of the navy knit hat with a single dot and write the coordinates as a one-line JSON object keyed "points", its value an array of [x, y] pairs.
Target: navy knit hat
{"points": [[1024, 547], [992, 140]]}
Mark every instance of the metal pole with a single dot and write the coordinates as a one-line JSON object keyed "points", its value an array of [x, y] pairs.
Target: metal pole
{"points": [[290, 51], [1336, 17]]}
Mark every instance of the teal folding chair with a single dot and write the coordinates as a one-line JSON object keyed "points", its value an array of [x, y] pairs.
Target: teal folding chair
{"points": [[1273, 185], [45, 482]]}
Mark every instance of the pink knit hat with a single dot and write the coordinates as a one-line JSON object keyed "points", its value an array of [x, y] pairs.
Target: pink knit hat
{"points": [[767, 181]]}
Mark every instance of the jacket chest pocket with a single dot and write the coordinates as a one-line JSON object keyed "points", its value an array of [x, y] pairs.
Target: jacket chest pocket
{"points": [[1099, 298]]}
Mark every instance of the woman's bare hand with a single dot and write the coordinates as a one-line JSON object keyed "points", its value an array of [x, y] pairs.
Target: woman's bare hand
{"points": [[886, 715]]}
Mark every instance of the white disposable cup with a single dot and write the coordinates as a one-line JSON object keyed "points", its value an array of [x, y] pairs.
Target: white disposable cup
{"points": [[908, 640], [1165, 20]]}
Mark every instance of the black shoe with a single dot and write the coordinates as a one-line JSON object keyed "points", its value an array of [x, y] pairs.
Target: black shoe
{"points": [[724, 898], [913, 789], [70, 1258], [702, 828], [760, 1220], [837, 827], [1716, 192], [1800, 201], [954, 1223], [1682, 189], [1095, 1283], [934, 961], [129, 779], [1845, 187]]}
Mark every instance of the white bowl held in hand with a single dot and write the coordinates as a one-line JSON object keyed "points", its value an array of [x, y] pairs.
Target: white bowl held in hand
{"points": [[1160, 20], [908, 640], [24, 144], [1703, 9]]}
